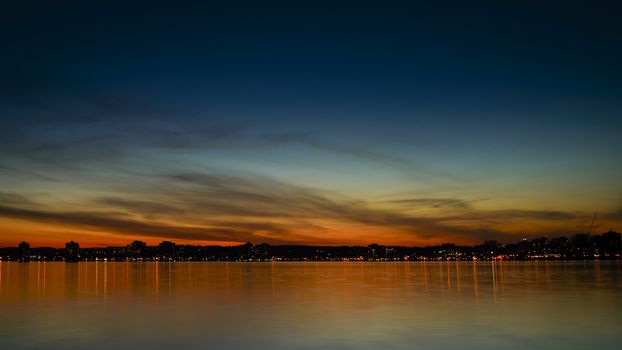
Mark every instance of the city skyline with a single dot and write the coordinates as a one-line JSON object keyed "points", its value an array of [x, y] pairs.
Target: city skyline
{"points": [[315, 124], [605, 246]]}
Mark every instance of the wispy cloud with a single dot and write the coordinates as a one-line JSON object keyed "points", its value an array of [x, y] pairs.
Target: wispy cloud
{"points": [[89, 126], [16, 200], [508, 214], [437, 202], [257, 208], [250, 207], [118, 225], [21, 172]]}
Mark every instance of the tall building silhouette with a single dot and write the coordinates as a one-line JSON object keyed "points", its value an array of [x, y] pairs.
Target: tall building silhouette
{"points": [[72, 251], [24, 252]]}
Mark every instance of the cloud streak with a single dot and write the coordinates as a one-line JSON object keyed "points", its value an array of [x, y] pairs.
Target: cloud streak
{"points": [[118, 225], [437, 202], [94, 127], [248, 207]]}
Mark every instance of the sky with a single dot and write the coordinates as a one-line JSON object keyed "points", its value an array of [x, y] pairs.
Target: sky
{"points": [[308, 122]]}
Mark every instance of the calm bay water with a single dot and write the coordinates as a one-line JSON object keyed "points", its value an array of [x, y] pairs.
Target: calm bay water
{"points": [[443, 305]]}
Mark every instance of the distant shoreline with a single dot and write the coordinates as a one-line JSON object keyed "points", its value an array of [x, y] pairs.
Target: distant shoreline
{"points": [[606, 246]]}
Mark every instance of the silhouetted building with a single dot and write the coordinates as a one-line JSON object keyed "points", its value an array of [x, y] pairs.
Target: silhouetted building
{"points": [[23, 252], [561, 246], [375, 251], [72, 251], [582, 246], [492, 249], [245, 251], [610, 244]]}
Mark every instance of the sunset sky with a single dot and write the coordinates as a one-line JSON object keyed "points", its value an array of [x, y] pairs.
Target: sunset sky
{"points": [[319, 123]]}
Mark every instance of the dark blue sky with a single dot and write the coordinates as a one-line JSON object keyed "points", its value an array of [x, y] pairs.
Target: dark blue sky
{"points": [[507, 105]]}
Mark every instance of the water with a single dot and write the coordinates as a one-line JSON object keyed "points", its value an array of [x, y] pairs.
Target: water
{"points": [[443, 305]]}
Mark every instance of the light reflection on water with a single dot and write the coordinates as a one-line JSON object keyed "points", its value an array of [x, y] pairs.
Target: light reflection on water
{"points": [[441, 305]]}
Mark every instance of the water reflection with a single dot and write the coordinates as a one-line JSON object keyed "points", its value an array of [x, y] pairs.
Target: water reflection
{"points": [[443, 305]]}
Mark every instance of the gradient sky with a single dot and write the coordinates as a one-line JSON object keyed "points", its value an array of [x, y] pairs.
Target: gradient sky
{"points": [[308, 122]]}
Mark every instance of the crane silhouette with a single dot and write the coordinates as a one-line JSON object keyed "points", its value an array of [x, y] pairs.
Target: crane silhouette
{"points": [[589, 232]]}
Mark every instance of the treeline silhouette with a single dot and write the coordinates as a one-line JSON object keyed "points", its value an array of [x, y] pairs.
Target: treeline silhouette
{"points": [[578, 247]]}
